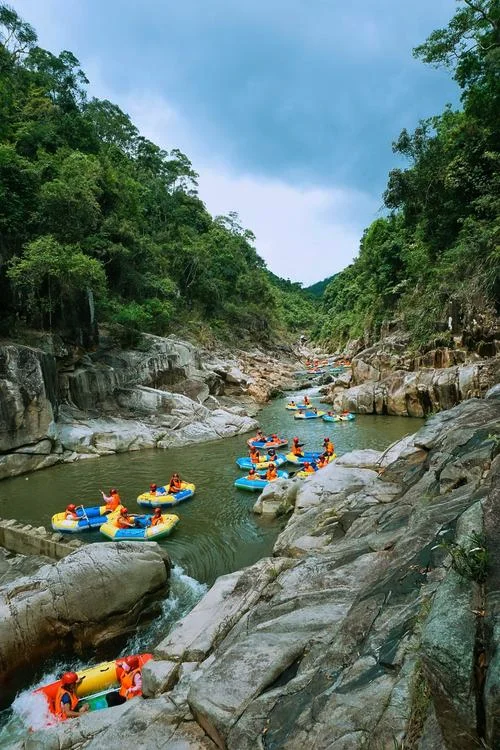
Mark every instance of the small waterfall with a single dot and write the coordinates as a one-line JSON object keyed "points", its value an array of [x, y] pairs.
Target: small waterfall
{"points": [[185, 593]]}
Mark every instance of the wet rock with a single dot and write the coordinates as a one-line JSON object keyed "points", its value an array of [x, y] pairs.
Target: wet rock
{"points": [[58, 605]]}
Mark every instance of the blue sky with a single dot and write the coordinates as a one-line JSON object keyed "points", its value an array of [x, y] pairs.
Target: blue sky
{"points": [[287, 109]]}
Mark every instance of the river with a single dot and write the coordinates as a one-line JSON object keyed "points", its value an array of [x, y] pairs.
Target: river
{"points": [[217, 533]]}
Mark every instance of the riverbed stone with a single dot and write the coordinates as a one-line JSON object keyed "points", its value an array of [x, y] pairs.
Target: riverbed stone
{"points": [[158, 676], [61, 603]]}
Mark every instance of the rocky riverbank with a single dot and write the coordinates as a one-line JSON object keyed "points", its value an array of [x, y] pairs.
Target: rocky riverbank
{"points": [[387, 379], [360, 631], [61, 405]]}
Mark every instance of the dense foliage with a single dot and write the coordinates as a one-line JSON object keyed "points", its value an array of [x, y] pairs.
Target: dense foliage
{"points": [[436, 254], [95, 216], [318, 289]]}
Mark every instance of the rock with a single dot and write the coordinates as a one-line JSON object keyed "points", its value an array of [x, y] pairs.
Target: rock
{"points": [[27, 395], [362, 459], [14, 464], [158, 677], [60, 605], [277, 499]]}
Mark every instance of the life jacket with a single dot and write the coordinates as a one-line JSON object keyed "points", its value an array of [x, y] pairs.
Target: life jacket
{"points": [[271, 474], [156, 520], [254, 456], [175, 485], [296, 450], [329, 448], [72, 516], [127, 682], [252, 477], [61, 691], [309, 470], [113, 502], [123, 522]]}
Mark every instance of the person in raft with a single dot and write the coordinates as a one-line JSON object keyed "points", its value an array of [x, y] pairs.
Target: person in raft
{"points": [[130, 678], [66, 700], [328, 446], [292, 403], [271, 473], [156, 518], [112, 500], [175, 484], [260, 437], [271, 454], [297, 447], [71, 514], [309, 468], [306, 401], [155, 490], [124, 521], [254, 455], [322, 461], [252, 474]]}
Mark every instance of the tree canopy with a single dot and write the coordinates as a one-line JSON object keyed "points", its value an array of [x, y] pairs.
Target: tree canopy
{"points": [[436, 252], [90, 208]]}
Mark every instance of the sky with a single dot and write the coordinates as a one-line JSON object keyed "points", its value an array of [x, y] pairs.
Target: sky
{"points": [[286, 108]]}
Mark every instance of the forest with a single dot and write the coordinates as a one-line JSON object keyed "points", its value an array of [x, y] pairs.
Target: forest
{"points": [[432, 262], [97, 223]]}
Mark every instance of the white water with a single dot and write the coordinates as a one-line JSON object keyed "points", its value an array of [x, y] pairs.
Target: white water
{"points": [[31, 711]]}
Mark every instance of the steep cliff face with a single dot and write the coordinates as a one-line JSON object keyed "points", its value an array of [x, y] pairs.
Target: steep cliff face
{"points": [[57, 405], [385, 379], [359, 632]]}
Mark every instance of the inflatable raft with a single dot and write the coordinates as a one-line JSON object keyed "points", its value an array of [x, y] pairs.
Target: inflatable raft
{"points": [[246, 463], [162, 499], [261, 445], [291, 407], [309, 415], [253, 485], [143, 531], [92, 517], [98, 682], [306, 458], [331, 418]]}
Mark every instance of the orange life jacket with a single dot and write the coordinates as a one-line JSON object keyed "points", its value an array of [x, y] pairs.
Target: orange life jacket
{"points": [[175, 485], [58, 704], [123, 522], [254, 456], [127, 682], [113, 502], [329, 447], [296, 450], [156, 520], [309, 470], [271, 474]]}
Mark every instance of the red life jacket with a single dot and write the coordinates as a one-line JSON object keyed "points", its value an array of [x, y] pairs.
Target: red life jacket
{"points": [[61, 692]]}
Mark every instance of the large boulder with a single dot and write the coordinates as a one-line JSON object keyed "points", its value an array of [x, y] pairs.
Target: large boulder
{"points": [[27, 396], [79, 602]]}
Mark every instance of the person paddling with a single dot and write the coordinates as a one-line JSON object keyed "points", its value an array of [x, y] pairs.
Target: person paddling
{"points": [[66, 700]]}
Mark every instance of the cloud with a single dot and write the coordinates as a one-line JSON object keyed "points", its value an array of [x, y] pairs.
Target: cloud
{"points": [[304, 233]]}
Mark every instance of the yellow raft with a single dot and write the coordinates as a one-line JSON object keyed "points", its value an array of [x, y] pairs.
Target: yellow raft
{"points": [[91, 517], [142, 532], [161, 498]]}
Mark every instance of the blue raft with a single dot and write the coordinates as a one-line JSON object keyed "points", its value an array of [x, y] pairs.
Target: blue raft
{"points": [[92, 517], [246, 463], [254, 485]]}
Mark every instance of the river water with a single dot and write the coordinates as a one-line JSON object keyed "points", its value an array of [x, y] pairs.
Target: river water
{"points": [[217, 533]]}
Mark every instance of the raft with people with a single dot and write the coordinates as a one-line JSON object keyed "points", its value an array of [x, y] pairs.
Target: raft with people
{"points": [[164, 497], [344, 417], [312, 414], [77, 518], [245, 462], [95, 687], [271, 442], [137, 527], [258, 480], [307, 457]]}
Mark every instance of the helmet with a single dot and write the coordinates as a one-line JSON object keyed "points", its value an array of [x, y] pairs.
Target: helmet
{"points": [[71, 506], [252, 471], [132, 661], [158, 511], [113, 491], [69, 678], [306, 463], [326, 440], [295, 440], [124, 511]]}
